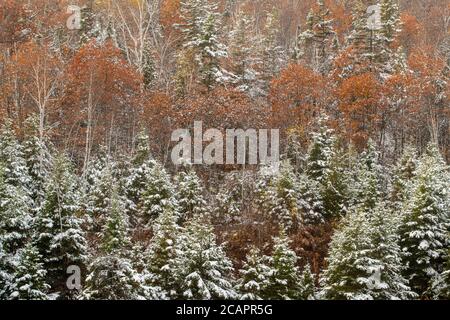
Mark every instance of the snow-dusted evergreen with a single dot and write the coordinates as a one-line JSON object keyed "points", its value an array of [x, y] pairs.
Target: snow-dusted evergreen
{"points": [[284, 275], [253, 277], [189, 195], [364, 262], [59, 236], [204, 270], [425, 225]]}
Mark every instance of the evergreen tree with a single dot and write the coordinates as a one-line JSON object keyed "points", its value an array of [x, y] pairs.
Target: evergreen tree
{"points": [[284, 276], [138, 176], [158, 195], [284, 204], [364, 262], [203, 267], [403, 176], [243, 53], [111, 274], [201, 37], [424, 232], [253, 277], [272, 54], [189, 195], [162, 254], [29, 276], [307, 285], [440, 288], [38, 160], [59, 237], [115, 231], [369, 181]]}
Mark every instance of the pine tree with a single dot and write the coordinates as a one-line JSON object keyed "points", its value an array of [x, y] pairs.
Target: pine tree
{"points": [[98, 195], [203, 267], [403, 175], [15, 205], [424, 232], [440, 288], [283, 279], [158, 195], [37, 155], [284, 205], [243, 53], [59, 236], [272, 54], [364, 262], [29, 276], [202, 38], [111, 274], [189, 195], [162, 254], [369, 181], [253, 277], [307, 284], [311, 205], [138, 176], [115, 231], [15, 170]]}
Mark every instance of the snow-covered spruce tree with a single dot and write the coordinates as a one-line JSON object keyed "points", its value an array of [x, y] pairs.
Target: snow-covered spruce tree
{"points": [[272, 54], [189, 195], [230, 198], [307, 284], [364, 262], [310, 201], [15, 204], [403, 177], [283, 201], [317, 39], [204, 270], [321, 151], [5, 276], [243, 52], [15, 170], [324, 165], [390, 29], [158, 194], [59, 237], [161, 255], [98, 196], [440, 288], [201, 37], [369, 183], [424, 231], [111, 274], [253, 277], [37, 154], [29, 281], [283, 277], [137, 177]]}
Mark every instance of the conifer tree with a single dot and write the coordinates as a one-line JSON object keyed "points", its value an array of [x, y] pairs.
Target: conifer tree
{"points": [[203, 267], [189, 195], [283, 279], [111, 274], [364, 262], [59, 237], [253, 277], [162, 254], [29, 276], [307, 285], [38, 159], [403, 176], [137, 177], [158, 195], [243, 53], [424, 231], [272, 54]]}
